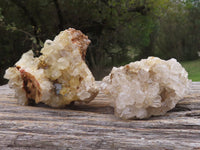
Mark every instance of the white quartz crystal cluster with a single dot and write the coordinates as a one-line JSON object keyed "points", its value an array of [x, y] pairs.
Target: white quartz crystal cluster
{"points": [[144, 88], [59, 76]]}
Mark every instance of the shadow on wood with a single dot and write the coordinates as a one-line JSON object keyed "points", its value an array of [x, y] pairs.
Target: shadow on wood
{"points": [[93, 126]]}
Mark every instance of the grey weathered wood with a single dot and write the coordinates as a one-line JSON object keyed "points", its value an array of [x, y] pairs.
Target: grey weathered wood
{"points": [[93, 126], [195, 87]]}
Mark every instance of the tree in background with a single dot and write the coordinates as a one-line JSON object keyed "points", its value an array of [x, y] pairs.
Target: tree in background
{"points": [[179, 33], [120, 30]]}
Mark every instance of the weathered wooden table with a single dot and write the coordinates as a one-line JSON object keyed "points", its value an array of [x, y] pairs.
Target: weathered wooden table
{"points": [[93, 126]]}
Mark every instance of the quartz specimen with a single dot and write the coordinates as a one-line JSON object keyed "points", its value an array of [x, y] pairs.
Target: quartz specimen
{"points": [[144, 88], [58, 77]]}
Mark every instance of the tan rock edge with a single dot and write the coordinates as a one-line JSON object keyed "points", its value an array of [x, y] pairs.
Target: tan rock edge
{"points": [[59, 76], [144, 88]]}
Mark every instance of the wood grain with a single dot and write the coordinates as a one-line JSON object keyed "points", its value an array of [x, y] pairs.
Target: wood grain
{"points": [[93, 126]]}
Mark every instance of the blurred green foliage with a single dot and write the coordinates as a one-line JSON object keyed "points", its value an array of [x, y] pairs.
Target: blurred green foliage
{"points": [[193, 69], [120, 30]]}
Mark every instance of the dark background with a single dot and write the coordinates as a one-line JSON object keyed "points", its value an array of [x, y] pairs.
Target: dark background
{"points": [[121, 31]]}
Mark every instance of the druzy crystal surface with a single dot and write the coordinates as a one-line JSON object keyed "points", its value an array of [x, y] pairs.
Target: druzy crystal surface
{"points": [[144, 88], [59, 76]]}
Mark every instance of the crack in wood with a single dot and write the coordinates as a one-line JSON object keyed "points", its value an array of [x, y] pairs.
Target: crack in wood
{"points": [[94, 126]]}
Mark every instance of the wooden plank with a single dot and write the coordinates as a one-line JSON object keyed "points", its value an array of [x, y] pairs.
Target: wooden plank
{"points": [[195, 83], [195, 88], [94, 126]]}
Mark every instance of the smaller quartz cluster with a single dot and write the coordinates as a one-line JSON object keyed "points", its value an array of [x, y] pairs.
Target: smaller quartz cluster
{"points": [[144, 88], [59, 76]]}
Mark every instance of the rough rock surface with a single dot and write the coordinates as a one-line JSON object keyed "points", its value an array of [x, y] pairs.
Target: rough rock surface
{"points": [[56, 78], [144, 88]]}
